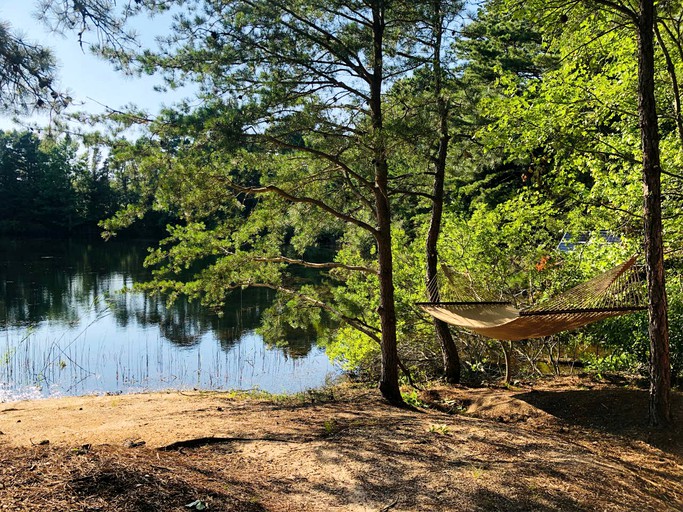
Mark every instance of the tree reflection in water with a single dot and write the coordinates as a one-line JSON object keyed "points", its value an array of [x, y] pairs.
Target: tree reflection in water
{"points": [[61, 312]]}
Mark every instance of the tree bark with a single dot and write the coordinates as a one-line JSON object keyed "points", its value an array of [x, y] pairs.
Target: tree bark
{"points": [[388, 383], [449, 351], [660, 367]]}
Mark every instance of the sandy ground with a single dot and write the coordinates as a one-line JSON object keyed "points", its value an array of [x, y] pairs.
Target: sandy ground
{"points": [[561, 445]]}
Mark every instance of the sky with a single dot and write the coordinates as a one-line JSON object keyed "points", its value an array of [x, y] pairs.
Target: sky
{"points": [[90, 81]]}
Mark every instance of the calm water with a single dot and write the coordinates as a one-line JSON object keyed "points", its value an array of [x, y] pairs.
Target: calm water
{"points": [[66, 329]]}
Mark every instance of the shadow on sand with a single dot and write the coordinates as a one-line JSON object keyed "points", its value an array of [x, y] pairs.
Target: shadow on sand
{"points": [[620, 412]]}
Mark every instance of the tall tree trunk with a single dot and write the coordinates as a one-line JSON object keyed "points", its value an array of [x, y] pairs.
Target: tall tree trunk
{"points": [[660, 367], [449, 351], [388, 383]]}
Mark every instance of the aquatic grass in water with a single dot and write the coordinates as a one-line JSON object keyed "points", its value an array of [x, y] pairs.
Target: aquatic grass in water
{"points": [[66, 330], [40, 367]]}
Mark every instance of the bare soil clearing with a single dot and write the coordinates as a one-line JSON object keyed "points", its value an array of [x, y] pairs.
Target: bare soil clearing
{"points": [[561, 445]]}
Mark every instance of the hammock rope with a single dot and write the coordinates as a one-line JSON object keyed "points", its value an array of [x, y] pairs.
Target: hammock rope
{"points": [[618, 291]]}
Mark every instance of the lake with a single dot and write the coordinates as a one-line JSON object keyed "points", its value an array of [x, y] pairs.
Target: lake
{"points": [[66, 328]]}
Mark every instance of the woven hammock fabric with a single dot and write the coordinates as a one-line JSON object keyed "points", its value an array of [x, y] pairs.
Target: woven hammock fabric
{"points": [[614, 293]]}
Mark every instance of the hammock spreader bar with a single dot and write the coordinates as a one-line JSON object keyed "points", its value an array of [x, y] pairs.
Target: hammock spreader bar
{"points": [[616, 292]]}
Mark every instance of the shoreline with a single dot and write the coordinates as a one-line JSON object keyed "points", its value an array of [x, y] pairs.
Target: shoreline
{"points": [[559, 445]]}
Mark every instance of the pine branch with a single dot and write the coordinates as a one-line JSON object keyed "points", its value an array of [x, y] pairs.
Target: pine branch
{"points": [[621, 8], [395, 191], [326, 36], [316, 152], [310, 264], [308, 200]]}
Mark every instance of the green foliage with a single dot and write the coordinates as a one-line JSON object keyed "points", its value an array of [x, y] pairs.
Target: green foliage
{"points": [[498, 42], [439, 428], [613, 363], [412, 398], [498, 249], [352, 350], [575, 129], [331, 427], [675, 298], [627, 336]]}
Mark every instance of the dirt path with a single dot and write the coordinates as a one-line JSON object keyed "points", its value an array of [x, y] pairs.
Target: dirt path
{"points": [[557, 447]]}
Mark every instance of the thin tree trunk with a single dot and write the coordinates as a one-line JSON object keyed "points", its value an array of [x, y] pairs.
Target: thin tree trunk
{"points": [[449, 351], [507, 349], [660, 367], [388, 383], [671, 69]]}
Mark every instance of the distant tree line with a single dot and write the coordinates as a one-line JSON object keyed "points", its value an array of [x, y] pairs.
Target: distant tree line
{"points": [[54, 186]]}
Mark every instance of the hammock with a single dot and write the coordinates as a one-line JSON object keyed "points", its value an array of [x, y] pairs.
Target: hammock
{"points": [[616, 292]]}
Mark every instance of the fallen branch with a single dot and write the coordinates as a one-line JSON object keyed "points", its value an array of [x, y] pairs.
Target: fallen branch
{"points": [[211, 440]]}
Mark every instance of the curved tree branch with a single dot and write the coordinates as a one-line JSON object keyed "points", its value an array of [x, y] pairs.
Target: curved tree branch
{"points": [[308, 200], [310, 264]]}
